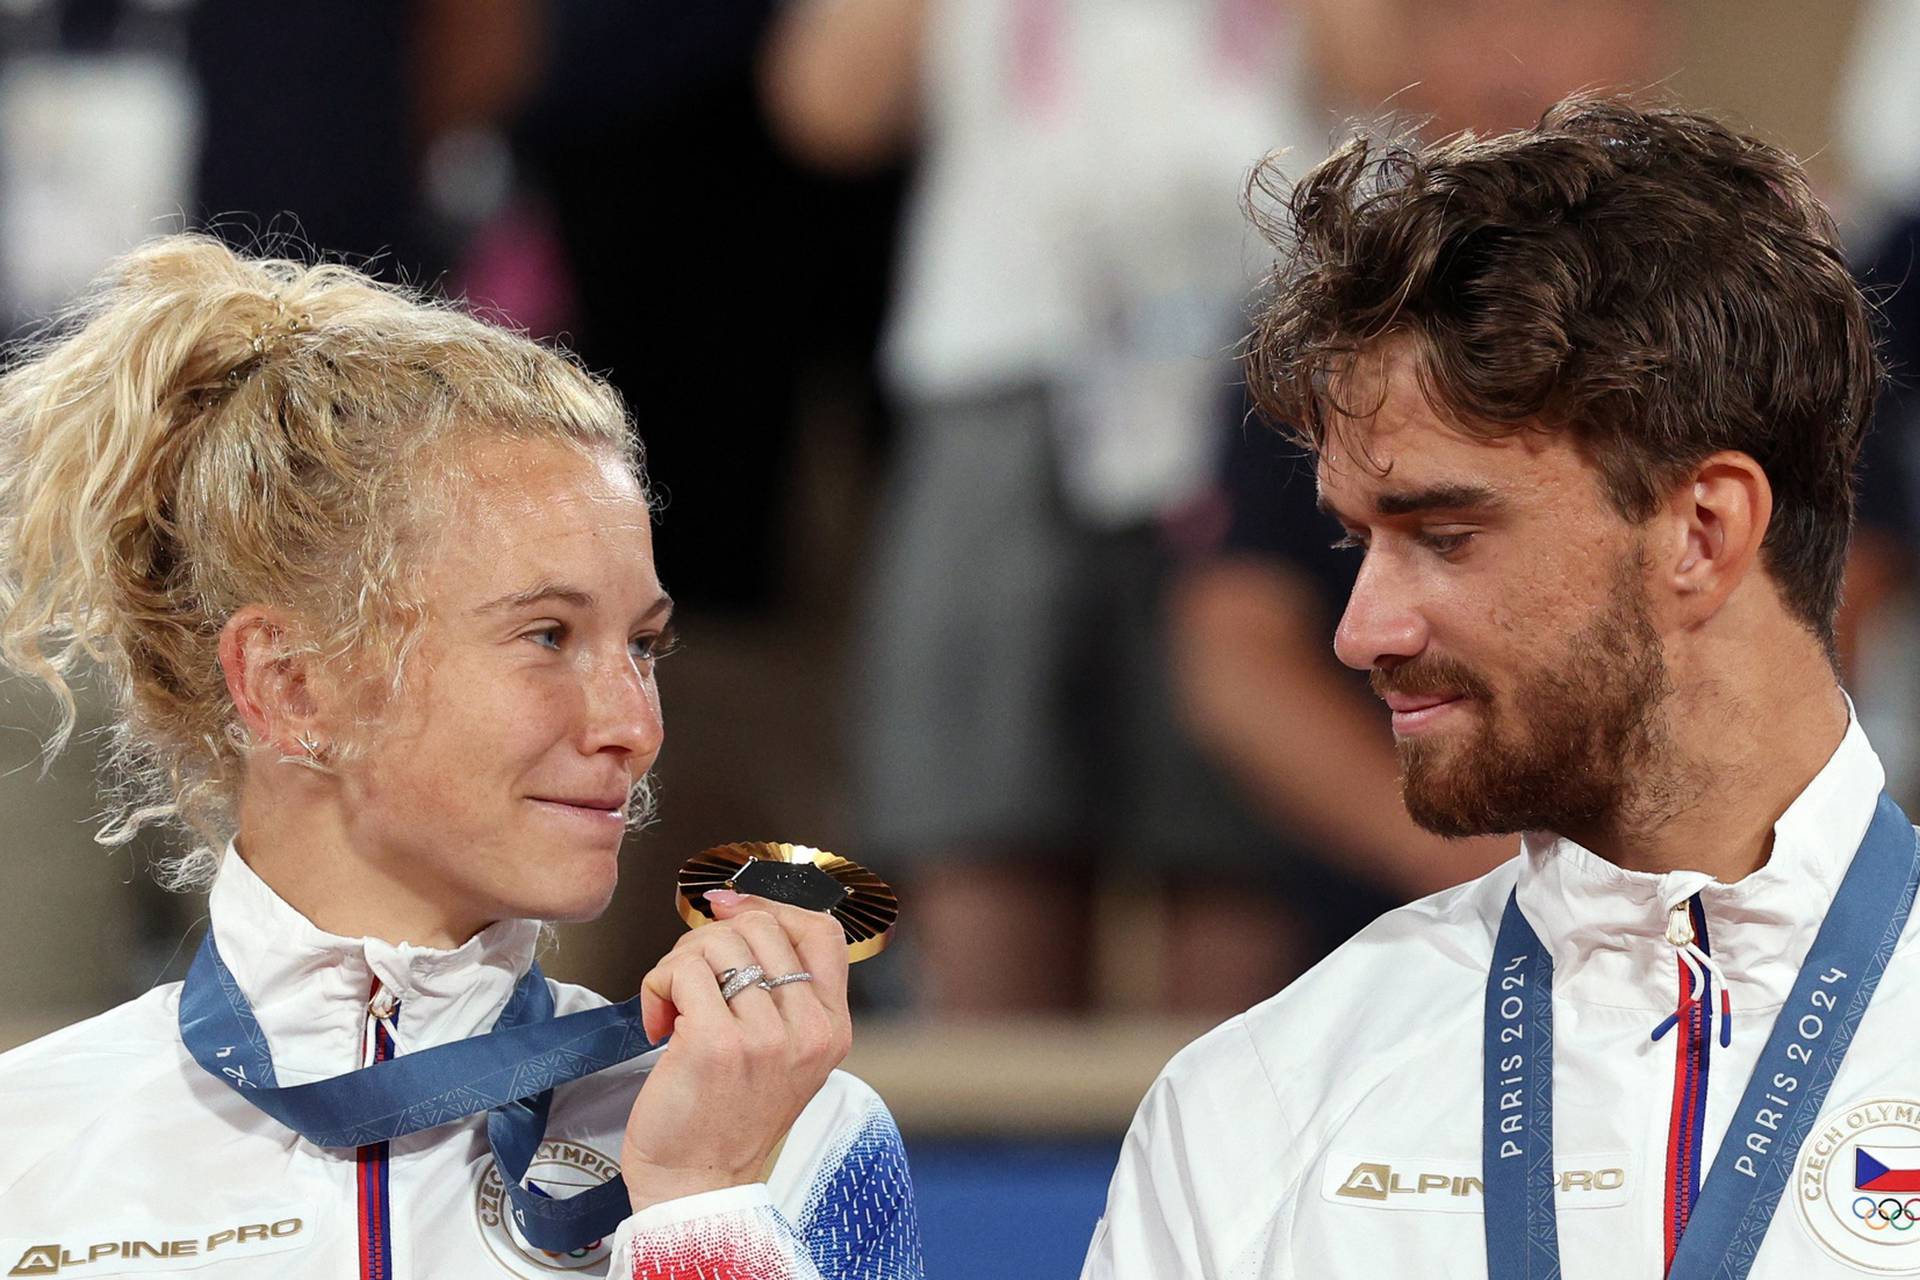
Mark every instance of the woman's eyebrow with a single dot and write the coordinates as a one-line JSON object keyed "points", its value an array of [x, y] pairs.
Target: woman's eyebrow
{"points": [[579, 597], [539, 593]]}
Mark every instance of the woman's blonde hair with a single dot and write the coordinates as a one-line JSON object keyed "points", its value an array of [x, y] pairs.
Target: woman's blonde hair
{"points": [[204, 431]]}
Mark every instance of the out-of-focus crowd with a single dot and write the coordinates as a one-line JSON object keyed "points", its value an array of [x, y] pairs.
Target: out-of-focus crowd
{"points": [[925, 310]]}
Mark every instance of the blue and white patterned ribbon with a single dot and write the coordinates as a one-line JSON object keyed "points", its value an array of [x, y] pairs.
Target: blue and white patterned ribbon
{"points": [[509, 1073]]}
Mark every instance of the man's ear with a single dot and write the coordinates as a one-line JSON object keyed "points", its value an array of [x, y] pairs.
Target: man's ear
{"points": [[1714, 521], [268, 682]]}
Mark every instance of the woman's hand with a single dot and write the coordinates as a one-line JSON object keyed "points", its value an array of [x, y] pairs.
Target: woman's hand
{"points": [[735, 1076]]}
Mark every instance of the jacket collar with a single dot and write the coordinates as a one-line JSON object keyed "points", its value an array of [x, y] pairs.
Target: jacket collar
{"points": [[310, 989], [1606, 927]]}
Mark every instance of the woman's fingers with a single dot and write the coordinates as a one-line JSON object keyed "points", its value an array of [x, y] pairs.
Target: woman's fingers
{"points": [[812, 1030], [790, 939], [687, 983], [772, 950], [782, 940], [818, 941]]}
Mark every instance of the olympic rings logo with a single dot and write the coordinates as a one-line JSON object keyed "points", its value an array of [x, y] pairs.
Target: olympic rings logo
{"points": [[1879, 1215]]}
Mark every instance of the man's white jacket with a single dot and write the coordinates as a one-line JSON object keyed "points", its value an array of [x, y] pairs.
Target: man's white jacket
{"points": [[1334, 1130], [121, 1156]]}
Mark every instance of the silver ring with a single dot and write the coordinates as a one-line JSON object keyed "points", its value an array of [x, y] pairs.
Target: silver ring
{"points": [[768, 984], [734, 981]]}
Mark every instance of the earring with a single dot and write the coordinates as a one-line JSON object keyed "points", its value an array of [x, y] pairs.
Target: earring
{"points": [[314, 748]]}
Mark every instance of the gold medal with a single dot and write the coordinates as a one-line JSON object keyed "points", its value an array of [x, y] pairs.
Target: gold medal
{"points": [[800, 876]]}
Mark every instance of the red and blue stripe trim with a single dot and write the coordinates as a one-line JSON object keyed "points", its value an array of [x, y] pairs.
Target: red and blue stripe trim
{"points": [[370, 1167], [1691, 1059]]}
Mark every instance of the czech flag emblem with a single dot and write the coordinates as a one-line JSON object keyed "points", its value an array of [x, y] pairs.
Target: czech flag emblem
{"points": [[1895, 1169]]}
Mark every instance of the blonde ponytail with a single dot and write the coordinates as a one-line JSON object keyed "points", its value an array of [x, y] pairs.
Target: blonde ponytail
{"points": [[204, 431]]}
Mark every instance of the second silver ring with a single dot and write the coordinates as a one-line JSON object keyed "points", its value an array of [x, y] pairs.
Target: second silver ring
{"points": [[781, 981]]}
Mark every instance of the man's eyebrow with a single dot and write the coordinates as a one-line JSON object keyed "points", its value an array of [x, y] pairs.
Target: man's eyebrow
{"points": [[578, 597], [1435, 497]]}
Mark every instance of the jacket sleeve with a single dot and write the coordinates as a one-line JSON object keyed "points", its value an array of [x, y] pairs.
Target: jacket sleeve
{"points": [[1206, 1175], [858, 1222], [734, 1234]]}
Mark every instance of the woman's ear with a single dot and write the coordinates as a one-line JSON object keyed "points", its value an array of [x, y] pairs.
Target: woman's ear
{"points": [[1717, 517], [268, 680]]}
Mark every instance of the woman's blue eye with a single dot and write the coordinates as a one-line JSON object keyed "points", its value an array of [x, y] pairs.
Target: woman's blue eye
{"points": [[654, 647], [647, 648]]}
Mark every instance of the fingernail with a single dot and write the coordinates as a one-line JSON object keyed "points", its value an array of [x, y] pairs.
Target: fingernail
{"points": [[722, 897]]}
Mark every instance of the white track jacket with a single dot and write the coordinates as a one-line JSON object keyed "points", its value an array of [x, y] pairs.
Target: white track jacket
{"points": [[1334, 1131], [122, 1157]]}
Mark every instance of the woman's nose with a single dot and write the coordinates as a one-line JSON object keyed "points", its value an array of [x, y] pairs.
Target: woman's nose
{"points": [[623, 709]]}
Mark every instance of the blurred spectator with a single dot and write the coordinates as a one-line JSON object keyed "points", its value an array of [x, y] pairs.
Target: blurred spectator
{"points": [[99, 129], [1876, 630], [1877, 110], [715, 278], [1489, 65], [1881, 564], [1878, 134], [1071, 278], [100, 123], [297, 99]]}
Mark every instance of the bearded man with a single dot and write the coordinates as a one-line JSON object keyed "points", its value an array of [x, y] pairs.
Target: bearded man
{"points": [[1587, 399]]}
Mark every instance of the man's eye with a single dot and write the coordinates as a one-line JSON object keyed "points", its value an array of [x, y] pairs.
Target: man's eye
{"points": [[1445, 543], [1349, 543], [549, 637]]}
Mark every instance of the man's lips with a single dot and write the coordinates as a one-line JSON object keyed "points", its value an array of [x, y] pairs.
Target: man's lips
{"points": [[1414, 712], [1400, 702]]}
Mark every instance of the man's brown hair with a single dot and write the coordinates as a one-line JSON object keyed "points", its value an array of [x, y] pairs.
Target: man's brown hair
{"points": [[1652, 281]]}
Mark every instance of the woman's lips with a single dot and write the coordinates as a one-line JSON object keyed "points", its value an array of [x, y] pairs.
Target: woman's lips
{"points": [[1415, 713], [594, 811]]}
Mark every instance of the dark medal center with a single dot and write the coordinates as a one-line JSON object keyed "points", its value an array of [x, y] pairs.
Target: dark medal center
{"points": [[798, 884]]}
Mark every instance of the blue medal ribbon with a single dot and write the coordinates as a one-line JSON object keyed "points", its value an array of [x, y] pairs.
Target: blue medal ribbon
{"points": [[1810, 1039], [510, 1073], [1516, 1106]]}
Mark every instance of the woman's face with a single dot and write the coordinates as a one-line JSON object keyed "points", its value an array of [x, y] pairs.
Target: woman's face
{"points": [[499, 784]]}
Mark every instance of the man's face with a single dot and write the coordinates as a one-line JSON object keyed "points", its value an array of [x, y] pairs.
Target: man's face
{"points": [[500, 780], [1501, 610]]}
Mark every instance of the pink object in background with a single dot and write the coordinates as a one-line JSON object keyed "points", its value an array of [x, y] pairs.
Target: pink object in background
{"points": [[515, 271]]}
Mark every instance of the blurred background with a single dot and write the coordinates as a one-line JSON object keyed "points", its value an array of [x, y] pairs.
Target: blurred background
{"points": [[925, 311]]}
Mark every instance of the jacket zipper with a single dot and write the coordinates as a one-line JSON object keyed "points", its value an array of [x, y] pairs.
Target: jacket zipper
{"points": [[370, 1162], [1691, 1058]]}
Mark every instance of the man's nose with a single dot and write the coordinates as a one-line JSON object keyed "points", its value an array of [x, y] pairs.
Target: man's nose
{"points": [[1382, 624]]}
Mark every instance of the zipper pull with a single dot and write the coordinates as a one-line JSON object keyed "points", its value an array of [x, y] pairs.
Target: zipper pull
{"points": [[1680, 937], [382, 1005], [1683, 939], [1680, 925]]}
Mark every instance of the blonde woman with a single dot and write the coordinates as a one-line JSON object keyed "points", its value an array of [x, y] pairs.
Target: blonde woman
{"points": [[373, 583]]}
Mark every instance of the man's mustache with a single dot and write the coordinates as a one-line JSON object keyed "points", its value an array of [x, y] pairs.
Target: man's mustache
{"points": [[1428, 677]]}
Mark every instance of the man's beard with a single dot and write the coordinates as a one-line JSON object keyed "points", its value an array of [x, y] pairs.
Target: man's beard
{"points": [[1577, 742]]}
